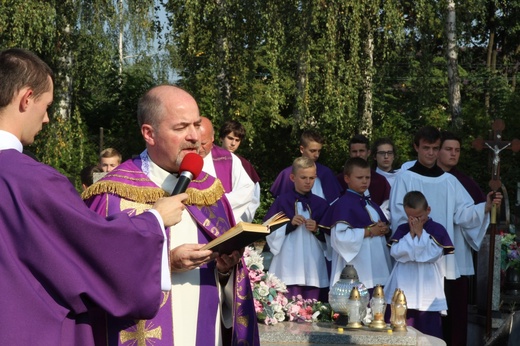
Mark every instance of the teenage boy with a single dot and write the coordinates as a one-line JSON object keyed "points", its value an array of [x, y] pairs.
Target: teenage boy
{"points": [[464, 220], [231, 135], [109, 159], [325, 186], [384, 154]]}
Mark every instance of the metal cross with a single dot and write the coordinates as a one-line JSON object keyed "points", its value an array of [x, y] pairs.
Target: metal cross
{"points": [[497, 144]]}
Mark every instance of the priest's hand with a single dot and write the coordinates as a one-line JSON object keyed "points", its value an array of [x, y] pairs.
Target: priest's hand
{"points": [[226, 262], [493, 198], [171, 208], [189, 256]]}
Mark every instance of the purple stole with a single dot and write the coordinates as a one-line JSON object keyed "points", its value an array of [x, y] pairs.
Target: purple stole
{"points": [[128, 181], [331, 188], [223, 162], [351, 209], [436, 231], [287, 203]]}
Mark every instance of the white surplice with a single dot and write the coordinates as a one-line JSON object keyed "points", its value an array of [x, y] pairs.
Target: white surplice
{"points": [[299, 257], [452, 207]]}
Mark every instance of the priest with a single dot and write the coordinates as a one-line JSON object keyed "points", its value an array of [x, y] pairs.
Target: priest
{"points": [[211, 301]]}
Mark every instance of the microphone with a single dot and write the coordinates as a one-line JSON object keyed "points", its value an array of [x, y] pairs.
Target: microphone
{"points": [[190, 168]]}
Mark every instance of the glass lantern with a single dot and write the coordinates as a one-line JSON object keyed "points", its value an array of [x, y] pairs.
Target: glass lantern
{"points": [[399, 324], [378, 306], [340, 292], [354, 309]]}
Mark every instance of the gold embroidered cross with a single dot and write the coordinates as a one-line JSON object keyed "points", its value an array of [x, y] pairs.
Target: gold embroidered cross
{"points": [[141, 335]]}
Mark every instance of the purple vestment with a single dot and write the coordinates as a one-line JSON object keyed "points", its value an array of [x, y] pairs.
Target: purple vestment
{"points": [[128, 183], [329, 184], [379, 187], [470, 185], [222, 161], [249, 169], [60, 261]]}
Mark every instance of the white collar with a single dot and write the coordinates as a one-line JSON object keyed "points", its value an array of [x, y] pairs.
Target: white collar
{"points": [[159, 176], [9, 141]]}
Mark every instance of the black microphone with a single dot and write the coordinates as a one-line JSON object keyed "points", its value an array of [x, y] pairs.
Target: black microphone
{"points": [[190, 168]]}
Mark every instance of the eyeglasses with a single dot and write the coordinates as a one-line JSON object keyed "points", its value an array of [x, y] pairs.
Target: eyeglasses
{"points": [[385, 153]]}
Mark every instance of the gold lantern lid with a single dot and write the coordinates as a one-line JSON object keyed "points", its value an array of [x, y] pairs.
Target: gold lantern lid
{"points": [[401, 298], [354, 294], [378, 292]]}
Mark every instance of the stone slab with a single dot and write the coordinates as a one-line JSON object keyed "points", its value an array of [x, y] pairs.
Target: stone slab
{"points": [[321, 333], [482, 275]]}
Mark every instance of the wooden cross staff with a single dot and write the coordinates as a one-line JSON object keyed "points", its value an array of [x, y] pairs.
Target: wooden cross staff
{"points": [[497, 144]]}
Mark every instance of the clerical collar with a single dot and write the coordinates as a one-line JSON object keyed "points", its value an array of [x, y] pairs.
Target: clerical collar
{"points": [[432, 172]]}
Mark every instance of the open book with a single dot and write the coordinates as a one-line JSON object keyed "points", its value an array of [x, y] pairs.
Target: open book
{"points": [[243, 234]]}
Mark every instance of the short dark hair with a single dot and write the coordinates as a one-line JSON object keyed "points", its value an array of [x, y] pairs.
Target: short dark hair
{"points": [[448, 135], [414, 200], [232, 126], [429, 133], [354, 162], [310, 136], [359, 139], [381, 141], [20, 68]]}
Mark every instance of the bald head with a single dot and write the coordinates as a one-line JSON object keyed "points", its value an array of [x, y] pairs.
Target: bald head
{"points": [[170, 124], [207, 136]]}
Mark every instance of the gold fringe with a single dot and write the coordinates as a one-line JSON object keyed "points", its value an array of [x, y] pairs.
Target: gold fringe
{"points": [[148, 195], [137, 194], [208, 196]]}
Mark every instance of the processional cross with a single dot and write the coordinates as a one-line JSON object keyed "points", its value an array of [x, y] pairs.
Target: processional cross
{"points": [[496, 145]]}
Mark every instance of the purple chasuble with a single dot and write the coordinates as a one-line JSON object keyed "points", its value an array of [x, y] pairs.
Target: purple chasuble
{"points": [[331, 188], [212, 220], [223, 163], [249, 169], [436, 231], [351, 209], [60, 261], [470, 185], [379, 188]]}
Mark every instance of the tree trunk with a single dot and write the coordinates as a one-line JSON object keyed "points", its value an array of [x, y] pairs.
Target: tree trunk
{"points": [[453, 73], [365, 126]]}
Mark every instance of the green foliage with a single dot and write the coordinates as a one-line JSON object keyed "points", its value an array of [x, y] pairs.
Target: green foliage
{"points": [[64, 145]]}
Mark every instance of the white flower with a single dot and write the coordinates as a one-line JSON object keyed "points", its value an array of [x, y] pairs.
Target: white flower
{"points": [[280, 316], [263, 290]]}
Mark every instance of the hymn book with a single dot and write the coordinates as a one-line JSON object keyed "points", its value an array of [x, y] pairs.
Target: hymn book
{"points": [[243, 234]]}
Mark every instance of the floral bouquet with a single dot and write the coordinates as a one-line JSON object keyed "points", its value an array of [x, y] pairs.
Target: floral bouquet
{"points": [[271, 303], [510, 256], [308, 310], [268, 290]]}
